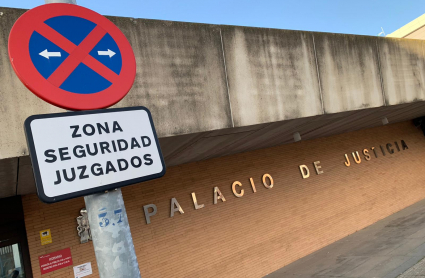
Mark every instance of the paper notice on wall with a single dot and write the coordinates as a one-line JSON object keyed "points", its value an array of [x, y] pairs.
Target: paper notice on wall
{"points": [[82, 270]]}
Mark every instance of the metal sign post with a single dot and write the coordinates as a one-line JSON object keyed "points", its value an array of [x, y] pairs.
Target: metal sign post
{"points": [[113, 244]]}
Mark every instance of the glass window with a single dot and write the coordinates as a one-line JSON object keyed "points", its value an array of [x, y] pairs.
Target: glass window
{"points": [[11, 262]]}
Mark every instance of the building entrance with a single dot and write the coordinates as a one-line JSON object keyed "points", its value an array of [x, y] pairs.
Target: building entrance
{"points": [[11, 265], [14, 254]]}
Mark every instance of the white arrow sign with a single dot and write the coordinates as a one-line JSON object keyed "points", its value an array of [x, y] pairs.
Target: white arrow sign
{"points": [[109, 53], [46, 54]]}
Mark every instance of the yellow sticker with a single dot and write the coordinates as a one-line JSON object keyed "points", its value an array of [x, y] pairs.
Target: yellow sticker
{"points": [[45, 237]]}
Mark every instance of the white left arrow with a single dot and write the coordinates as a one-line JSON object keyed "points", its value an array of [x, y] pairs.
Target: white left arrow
{"points": [[46, 54]]}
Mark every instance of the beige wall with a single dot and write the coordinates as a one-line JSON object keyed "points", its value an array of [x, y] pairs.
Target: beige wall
{"points": [[412, 30], [260, 232], [417, 34]]}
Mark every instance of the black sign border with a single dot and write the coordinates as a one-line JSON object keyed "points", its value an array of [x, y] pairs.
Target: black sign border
{"points": [[108, 187]]}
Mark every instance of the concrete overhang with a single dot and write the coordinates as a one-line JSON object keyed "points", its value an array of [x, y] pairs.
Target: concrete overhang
{"points": [[218, 90]]}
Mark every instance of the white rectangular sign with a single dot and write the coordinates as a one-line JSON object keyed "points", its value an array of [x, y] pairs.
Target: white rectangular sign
{"points": [[81, 153], [82, 270]]}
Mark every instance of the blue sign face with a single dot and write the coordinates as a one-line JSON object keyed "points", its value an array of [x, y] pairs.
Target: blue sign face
{"points": [[48, 58]]}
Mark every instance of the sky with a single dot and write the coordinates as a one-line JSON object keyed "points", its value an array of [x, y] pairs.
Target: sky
{"points": [[361, 17]]}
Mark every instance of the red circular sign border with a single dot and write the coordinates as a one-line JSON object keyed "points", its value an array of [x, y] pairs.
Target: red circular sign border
{"points": [[22, 64]]}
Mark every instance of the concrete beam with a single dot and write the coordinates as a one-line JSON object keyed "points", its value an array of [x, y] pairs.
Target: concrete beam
{"points": [[218, 90], [198, 78]]}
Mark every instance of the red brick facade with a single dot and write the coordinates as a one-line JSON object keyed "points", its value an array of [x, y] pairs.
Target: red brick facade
{"points": [[259, 232]]}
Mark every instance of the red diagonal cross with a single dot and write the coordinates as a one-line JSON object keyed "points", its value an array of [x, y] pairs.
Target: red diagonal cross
{"points": [[77, 54]]}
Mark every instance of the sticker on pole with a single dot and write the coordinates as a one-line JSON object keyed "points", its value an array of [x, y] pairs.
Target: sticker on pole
{"points": [[72, 57], [80, 153]]}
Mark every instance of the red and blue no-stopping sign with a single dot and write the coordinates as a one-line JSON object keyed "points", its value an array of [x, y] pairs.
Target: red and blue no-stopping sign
{"points": [[72, 57]]}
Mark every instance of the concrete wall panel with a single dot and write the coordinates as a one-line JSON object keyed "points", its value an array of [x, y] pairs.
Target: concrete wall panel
{"points": [[349, 72], [272, 75], [419, 34], [403, 70], [180, 75], [16, 101]]}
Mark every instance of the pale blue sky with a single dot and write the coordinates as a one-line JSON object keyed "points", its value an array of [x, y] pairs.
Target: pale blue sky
{"points": [[365, 17]]}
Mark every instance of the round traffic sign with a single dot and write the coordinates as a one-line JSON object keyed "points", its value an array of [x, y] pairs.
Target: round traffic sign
{"points": [[72, 57]]}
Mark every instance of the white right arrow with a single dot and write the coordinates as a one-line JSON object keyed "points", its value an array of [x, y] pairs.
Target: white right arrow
{"points": [[109, 53], [46, 54]]}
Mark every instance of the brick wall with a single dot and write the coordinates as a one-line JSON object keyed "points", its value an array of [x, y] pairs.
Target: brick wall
{"points": [[260, 232]]}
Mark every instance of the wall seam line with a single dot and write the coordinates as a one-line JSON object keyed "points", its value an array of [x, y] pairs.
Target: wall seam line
{"points": [[227, 80], [318, 75], [381, 79]]}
